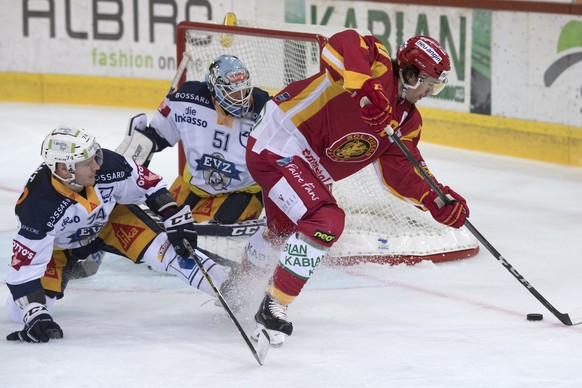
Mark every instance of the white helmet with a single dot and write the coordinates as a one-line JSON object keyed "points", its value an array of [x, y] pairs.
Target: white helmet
{"points": [[230, 83], [69, 146]]}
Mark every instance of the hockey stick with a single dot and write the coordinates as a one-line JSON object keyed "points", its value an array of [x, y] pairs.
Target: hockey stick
{"points": [[262, 341], [573, 318], [244, 228], [219, 259], [137, 145], [186, 58]]}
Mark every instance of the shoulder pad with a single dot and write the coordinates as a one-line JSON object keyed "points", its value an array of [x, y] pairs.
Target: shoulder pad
{"points": [[40, 206], [114, 168], [195, 92]]}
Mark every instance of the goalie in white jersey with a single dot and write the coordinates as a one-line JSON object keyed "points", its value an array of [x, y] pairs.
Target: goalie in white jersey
{"points": [[82, 201], [213, 120]]}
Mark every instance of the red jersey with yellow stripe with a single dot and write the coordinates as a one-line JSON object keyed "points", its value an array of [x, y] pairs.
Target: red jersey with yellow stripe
{"points": [[318, 120]]}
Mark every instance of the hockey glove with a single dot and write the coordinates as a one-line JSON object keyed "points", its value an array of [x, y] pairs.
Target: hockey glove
{"points": [[138, 143], [374, 104], [179, 226], [452, 214], [38, 326]]}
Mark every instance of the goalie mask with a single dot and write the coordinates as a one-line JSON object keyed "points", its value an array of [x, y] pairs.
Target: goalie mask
{"points": [[428, 56], [69, 146], [229, 81]]}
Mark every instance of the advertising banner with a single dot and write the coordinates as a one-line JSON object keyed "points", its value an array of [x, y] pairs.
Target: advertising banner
{"points": [[509, 64], [112, 38], [537, 64]]}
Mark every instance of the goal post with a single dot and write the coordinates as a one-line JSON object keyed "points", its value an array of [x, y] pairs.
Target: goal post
{"points": [[379, 227]]}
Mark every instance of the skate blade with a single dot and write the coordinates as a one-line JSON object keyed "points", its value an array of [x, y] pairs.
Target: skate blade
{"points": [[261, 340], [276, 338]]}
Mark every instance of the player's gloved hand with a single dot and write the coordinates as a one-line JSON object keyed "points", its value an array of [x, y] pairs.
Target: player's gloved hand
{"points": [[38, 326], [374, 104], [180, 225], [453, 214]]}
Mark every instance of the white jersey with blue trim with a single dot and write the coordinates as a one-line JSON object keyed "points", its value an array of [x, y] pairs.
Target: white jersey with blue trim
{"points": [[215, 147], [50, 215]]}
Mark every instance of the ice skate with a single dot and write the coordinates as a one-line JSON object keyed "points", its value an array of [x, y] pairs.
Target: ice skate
{"points": [[272, 316]]}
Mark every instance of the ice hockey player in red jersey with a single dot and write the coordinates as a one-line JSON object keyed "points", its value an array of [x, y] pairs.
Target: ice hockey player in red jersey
{"points": [[83, 200], [322, 129]]}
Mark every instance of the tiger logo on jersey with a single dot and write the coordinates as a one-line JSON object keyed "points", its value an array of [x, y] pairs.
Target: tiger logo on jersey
{"points": [[354, 147]]}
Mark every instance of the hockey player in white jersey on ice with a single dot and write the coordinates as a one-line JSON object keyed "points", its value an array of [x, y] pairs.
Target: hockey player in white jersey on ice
{"points": [[81, 201], [213, 119]]}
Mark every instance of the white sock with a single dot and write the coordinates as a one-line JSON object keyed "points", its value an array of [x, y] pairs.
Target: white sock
{"points": [[161, 257]]}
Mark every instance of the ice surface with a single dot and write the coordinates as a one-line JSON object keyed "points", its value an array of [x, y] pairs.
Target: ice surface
{"points": [[454, 324]]}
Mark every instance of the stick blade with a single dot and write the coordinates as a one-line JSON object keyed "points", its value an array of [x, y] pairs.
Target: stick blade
{"points": [[576, 316], [262, 342]]}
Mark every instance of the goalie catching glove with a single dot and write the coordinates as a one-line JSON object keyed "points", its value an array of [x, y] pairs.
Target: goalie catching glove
{"points": [[452, 214], [141, 141], [179, 226], [374, 104], [38, 326]]}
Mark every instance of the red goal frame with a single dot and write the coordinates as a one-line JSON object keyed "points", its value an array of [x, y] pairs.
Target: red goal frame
{"points": [[320, 40]]}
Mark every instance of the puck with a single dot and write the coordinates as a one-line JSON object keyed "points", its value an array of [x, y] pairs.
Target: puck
{"points": [[534, 317]]}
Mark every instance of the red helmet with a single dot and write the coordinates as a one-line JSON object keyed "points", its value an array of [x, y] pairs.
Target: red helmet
{"points": [[427, 55]]}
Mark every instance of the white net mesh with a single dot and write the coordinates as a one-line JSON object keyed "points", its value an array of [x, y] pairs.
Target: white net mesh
{"points": [[272, 62], [379, 227], [379, 224]]}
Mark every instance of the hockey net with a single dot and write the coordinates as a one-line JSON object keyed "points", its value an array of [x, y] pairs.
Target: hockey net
{"points": [[379, 227]]}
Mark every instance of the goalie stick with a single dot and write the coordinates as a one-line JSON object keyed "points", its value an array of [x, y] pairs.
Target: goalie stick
{"points": [[244, 228], [136, 144], [262, 339], [573, 318], [180, 71], [219, 259]]}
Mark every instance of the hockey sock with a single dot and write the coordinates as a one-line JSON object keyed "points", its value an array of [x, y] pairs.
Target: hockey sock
{"points": [[296, 265]]}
